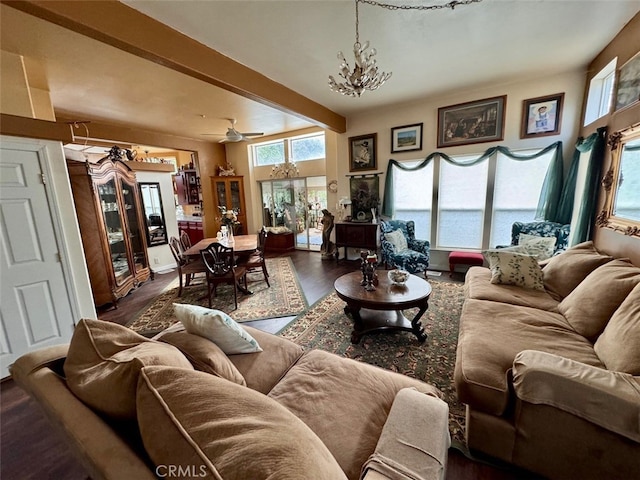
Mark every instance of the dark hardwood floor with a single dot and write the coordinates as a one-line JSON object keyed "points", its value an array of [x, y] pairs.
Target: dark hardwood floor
{"points": [[31, 449]]}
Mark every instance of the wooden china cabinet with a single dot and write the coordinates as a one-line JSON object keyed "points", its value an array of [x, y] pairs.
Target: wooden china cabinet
{"points": [[229, 192], [111, 224]]}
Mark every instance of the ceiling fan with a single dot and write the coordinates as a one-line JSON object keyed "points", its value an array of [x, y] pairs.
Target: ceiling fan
{"points": [[234, 135]]}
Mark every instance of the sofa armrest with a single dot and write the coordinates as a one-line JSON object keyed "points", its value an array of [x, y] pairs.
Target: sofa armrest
{"points": [[414, 441], [608, 399]]}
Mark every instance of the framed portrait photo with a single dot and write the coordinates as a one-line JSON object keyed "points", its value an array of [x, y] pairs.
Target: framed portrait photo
{"points": [[542, 116], [628, 91], [406, 138], [362, 152], [472, 122]]}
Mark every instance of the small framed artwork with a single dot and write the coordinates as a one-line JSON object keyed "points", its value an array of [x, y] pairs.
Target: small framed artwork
{"points": [[541, 116], [406, 138], [472, 122], [628, 91], [362, 152]]}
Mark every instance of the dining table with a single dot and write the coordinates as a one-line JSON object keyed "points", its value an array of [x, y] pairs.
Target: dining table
{"points": [[243, 245]]}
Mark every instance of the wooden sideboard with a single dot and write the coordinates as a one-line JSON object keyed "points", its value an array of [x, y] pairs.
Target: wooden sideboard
{"points": [[356, 235]]}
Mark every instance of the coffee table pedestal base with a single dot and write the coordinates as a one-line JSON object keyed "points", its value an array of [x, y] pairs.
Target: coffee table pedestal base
{"points": [[376, 321]]}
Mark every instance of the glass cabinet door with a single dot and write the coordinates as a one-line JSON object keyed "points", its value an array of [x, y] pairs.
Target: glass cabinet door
{"points": [[134, 228], [221, 193], [115, 230], [234, 187]]}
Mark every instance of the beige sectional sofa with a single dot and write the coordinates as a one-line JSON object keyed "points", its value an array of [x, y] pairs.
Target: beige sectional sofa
{"points": [[181, 408], [551, 376]]}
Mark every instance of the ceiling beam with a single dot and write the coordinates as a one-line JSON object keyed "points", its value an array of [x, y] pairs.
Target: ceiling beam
{"points": [[123, 27]]}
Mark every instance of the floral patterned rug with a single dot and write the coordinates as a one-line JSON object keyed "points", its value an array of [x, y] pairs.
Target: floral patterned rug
{"points": [[325, 326], [283, 298]]}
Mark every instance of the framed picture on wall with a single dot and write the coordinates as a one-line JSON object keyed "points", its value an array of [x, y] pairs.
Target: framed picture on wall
{"points": [[365, 197], [362, 152], [541, 116], [472, 122], [628, 90], [406, 138]]}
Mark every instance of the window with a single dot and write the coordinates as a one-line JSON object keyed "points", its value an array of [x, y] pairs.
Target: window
{"points": [[600, 93], [269, 153], [515, 200], [292, 149], [412, 197], [461, 204]]}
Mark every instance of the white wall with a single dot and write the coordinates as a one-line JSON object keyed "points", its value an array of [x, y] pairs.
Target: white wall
{"points": [[381, 121]]}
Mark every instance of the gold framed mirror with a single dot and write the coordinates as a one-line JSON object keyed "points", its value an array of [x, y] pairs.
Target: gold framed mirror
{"points": [[622, 184]]}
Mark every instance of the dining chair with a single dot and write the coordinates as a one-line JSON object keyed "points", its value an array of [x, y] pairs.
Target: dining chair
{"points": [[185, 240], [186, 269], [220, 267], [256, 259]]}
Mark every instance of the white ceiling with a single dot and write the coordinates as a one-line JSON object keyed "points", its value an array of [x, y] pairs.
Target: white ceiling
{"points": [[295, 43]]}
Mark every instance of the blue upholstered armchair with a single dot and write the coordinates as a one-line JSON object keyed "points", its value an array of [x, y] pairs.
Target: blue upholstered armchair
{"points": [[543, 229], [399, 246]]}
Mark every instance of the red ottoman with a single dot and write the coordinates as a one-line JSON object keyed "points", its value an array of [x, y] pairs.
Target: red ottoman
{"points": [[464, 258]]}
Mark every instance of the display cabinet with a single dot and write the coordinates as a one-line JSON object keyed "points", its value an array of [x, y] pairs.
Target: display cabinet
{"points": [[229, 192], [356, 235], [188, 187], [111, 224]]}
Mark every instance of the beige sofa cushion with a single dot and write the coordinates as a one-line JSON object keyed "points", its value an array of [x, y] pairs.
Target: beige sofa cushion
{"points": [[204, 355], [492, 334], [619, 345], [349, 404], [564, 272], [215, 427], [104, 362], [591, 304], [264, 369], [477, 285]]}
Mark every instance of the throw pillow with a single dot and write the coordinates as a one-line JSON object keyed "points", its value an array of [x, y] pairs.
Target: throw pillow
{"points": [[204, 355], [397, 239], [592, 303], [510, 268], [218, 327], [618, 346], [564, 272], [541, 247], [221, 430], [104, 361]]}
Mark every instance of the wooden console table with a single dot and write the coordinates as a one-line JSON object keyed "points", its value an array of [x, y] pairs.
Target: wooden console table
{"points": [[356, 235]]}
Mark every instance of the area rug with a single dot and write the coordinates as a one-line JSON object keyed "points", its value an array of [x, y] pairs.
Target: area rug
{"points": [[283, 298], [325, 326]]}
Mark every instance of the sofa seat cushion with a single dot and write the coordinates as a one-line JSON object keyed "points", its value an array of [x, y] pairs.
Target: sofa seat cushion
{"points": [[204, 355], [345, 402], [478, 286], [212, 428], [564, 272], [262, 370], [619, 345], [104, 362], [591, 304], [492, 334]]}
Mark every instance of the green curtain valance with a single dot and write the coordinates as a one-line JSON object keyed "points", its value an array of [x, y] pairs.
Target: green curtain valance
{"points": [[551, 188]]}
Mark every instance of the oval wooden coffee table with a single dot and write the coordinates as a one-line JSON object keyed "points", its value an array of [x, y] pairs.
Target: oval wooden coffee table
{"points": [[381, 309]]}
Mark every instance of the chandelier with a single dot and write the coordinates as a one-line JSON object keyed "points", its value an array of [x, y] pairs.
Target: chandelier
{"points": [[365, 74], [285, 170]]}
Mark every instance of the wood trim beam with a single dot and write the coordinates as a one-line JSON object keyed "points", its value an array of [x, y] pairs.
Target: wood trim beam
{"points": [[123, 27], [34, 128]]}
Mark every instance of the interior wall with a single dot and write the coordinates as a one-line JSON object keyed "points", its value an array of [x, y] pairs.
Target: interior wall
{"points": [[624, 46], [426, 111]]}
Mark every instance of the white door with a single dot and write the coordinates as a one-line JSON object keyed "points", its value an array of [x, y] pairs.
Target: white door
{"points": [[35, 308]]}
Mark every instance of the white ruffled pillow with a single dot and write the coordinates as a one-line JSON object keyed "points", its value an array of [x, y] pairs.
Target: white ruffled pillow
{"points": [[216, 326], [397, 239]]}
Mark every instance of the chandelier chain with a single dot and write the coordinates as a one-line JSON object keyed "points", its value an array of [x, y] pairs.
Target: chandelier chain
{"points": [[453, 4], [357, 25]]}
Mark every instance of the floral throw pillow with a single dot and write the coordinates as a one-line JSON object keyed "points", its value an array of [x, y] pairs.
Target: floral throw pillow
{"points": [[397, 239], [511, 268]]}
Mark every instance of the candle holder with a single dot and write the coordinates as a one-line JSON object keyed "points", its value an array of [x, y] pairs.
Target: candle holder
{"points": [[363, 264], [371, 278]]}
